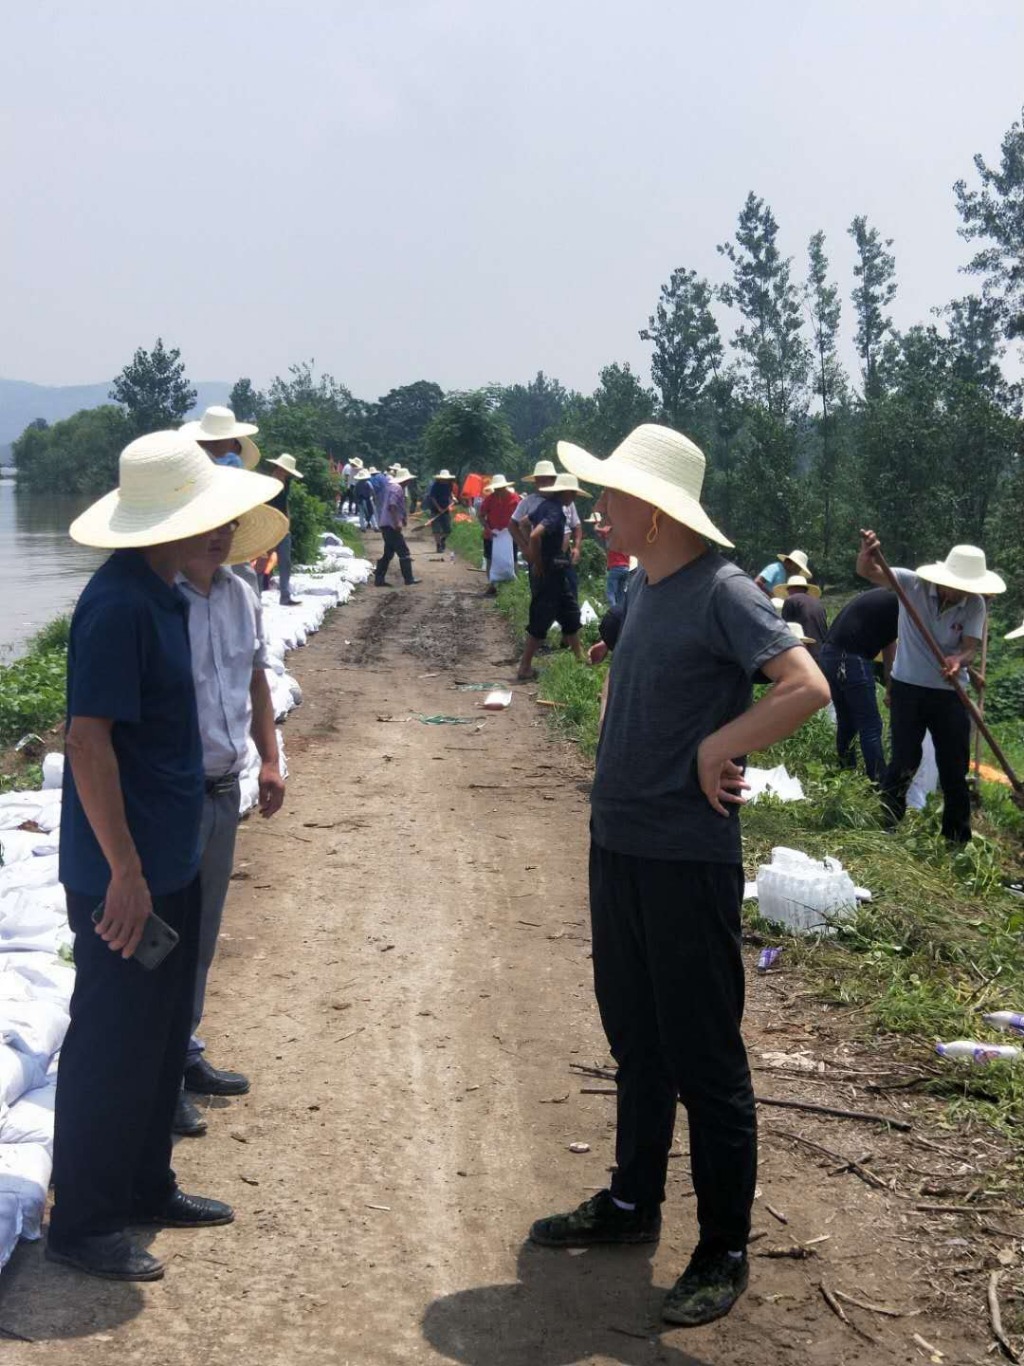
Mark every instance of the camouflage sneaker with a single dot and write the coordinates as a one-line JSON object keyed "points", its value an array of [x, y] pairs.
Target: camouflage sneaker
{"points": [[598, 1220], [707, 1289]]}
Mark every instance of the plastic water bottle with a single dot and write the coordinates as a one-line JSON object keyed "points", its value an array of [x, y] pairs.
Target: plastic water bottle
{"points": [[1006, 1019], [767, 958], [978, 1052]]}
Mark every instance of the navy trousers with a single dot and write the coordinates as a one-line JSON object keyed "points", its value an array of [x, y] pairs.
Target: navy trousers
{"points": [[120, 1074]]}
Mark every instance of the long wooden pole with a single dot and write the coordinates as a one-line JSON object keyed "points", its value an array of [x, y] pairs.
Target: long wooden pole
{"points": [[981, 701], [958, 688]]}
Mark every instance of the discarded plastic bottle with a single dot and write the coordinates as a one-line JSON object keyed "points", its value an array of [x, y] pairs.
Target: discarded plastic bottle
{"points": [[767, 958], [978, 1052], [1006, 1019], [451, 556]]}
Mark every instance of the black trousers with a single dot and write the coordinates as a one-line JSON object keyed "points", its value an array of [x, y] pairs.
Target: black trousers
{"points": [[120, 1074], [668, 974], [913, 711], [394, 544]]}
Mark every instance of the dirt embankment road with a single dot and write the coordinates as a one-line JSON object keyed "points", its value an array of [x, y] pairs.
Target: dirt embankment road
{"points": [[405, 976]]}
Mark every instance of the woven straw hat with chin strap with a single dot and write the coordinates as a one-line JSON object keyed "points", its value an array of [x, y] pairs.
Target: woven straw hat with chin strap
{"points": [[218, 424], [654, 463], [169, 489]]}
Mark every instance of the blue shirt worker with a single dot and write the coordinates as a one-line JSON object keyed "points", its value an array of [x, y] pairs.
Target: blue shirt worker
{"points": [[553, 592], [229, 659], [438, 502], [783, 567], [948, 598], [129, 851], [392, 516]]}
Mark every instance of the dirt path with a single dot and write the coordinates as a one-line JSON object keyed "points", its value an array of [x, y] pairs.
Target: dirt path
{"points": [[405, 976]]}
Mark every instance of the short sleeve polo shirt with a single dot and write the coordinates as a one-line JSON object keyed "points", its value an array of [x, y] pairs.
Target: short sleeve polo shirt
{"points": [[129, 662], [950, 624]]}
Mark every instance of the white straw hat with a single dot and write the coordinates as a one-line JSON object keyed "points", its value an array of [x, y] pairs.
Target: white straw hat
{"points": [[401, 476], [963, 570], [799, 558], [356, 463], [795, 630], [286, 463], [498, 481], [544, 469], [1015, 634], [360, 476], [170, 489], [797, 581], [778, 603], [567, 483], [218, 424], [445, 475], [656, 464]]}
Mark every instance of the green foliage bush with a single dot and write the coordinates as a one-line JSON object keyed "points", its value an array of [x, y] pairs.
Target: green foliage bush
{"points": [[309, 516], [32, 689]]}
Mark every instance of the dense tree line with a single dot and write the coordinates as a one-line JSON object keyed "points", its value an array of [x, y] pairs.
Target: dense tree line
{"points": [[923, 441]]}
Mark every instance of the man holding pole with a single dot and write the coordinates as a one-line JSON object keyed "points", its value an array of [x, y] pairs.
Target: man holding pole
{"points": [[942, 613]]}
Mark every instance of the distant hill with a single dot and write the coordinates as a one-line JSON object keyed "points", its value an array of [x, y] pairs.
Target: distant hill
{"points": [[21, 403]]}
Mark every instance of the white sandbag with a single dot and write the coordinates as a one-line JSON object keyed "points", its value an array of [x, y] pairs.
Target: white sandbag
{"points": [[503, 557], [926, 779], [18, 808], [19, 1072], [41, 975], [30, 1119], [53, 771], [36, 1027], [25, 1174], [11, 1221], [776, 782], [587, 614]]}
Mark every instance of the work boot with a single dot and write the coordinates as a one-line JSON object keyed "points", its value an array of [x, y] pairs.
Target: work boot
{"points": [[707, 1289], [202, 1078], [111, 1256], [597, 1220], [188, 1122]]}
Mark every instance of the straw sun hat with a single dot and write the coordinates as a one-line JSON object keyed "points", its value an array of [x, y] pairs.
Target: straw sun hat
{"points": [[797, 581], [218, 424], [401, 476], [567, 483], [286, 463], [799, 558], [794, 630], [544, 469], [496, 482], [169, 489], [445, 476], [963, 570], [656, 464]]}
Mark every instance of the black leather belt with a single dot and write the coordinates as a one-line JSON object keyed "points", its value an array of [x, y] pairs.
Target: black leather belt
{"points": [[220, 787]]}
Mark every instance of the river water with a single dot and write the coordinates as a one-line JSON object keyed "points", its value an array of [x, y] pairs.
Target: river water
{"points": [[42, 570]]}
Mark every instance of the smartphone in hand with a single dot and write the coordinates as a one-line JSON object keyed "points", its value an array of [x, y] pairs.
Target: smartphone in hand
{"points": [[156, 943]]}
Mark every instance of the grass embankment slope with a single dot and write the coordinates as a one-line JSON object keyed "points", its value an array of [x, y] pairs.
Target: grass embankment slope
{"points": [[941, 941]]}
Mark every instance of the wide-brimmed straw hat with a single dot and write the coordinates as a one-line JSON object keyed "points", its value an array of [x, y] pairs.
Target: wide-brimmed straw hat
{"points": [[445, 476], [797, 581], [544, 469], [356, 463], [496, 482], [360, 476], [401, 476], [798, 557], [795, 630], [286, 463], [169, 489], [218, 424], [964, 570], [567, 483], [656, 464]]}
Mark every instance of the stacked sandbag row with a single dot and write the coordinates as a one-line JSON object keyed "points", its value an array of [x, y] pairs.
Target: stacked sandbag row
{"points": [[36, 977]]}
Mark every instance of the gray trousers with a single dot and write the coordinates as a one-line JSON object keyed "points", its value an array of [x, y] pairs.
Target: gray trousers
{"points": [[284, 567], [217, 845]]}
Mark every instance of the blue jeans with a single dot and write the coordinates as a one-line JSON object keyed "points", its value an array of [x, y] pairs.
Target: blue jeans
{"points": [[854, 696], [615, 585]]}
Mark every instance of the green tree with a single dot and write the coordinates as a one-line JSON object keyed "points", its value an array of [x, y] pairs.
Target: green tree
{"points": [[994, 213], [467, 435], [532, 411], [77, 455], [618, 404], [245, 402], [154, 390], [398, 420], [825, 309], [876, 272], [688, 350]]}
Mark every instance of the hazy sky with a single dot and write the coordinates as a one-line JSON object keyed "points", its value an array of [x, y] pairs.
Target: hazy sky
{"points": [[460, 190]]}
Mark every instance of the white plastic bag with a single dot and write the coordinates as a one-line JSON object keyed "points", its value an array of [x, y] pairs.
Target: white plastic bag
{"points": [[503, 557]]}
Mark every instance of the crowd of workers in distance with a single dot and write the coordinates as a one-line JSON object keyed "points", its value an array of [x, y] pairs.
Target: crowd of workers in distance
{"points": [[166, 690]]}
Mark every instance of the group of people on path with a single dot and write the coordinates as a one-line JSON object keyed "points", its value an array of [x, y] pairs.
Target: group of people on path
{"points": [[166, 686]]}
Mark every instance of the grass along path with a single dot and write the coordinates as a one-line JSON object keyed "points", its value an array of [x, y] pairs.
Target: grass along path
{"points": [[941, 942]]}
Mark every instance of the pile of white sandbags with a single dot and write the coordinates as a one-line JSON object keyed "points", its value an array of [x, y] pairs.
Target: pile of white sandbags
{"points": [[36, 978]]}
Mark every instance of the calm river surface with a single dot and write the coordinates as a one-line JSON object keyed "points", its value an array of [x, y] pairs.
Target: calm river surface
{"points": [[42, 570]]}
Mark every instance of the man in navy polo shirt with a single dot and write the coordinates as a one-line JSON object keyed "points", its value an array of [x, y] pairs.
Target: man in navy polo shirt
{"points": [[133, 794]]}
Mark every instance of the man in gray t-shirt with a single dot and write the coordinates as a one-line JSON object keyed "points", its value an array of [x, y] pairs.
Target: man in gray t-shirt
{"points": [[922, 697]]}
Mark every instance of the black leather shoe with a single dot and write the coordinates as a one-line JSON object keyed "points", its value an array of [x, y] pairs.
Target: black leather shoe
{"points": [[204, 1079], [189, 1211], [113, 1256], [409, 582], [290, 602], [188, 1122]]}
